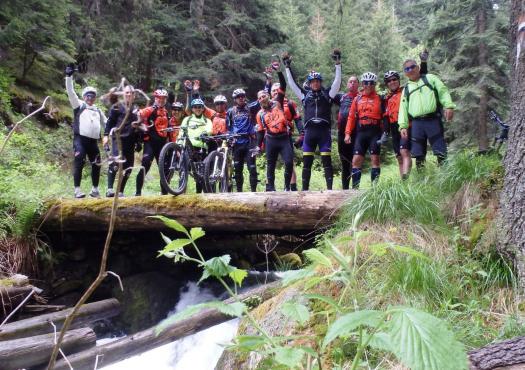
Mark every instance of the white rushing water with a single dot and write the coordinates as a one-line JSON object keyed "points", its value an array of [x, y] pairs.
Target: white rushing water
{"points": [[200, 351]]}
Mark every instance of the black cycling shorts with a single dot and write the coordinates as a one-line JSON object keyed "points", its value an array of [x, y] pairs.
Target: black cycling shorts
{"points": [[366, 140], [399, 142]]}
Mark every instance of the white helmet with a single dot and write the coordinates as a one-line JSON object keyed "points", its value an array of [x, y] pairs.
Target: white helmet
{"points": [[89, 89], [220, 99], [368, 76], [276, 85], [160, 93], [238, 92]]}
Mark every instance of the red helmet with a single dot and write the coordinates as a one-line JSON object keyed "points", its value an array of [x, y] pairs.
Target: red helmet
{"points": [[160, 93]]}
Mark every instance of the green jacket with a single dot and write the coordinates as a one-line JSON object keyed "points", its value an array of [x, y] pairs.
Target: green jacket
{"points": [[196, 126], [423, 101]]}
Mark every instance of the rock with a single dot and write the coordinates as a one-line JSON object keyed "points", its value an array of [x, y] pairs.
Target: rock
{"points": [[146, 299]]}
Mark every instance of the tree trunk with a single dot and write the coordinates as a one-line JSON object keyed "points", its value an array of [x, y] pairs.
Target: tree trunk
{"points": [[276, 212], [512, 211], [27, 352], [147, 339], [481, 25], [506, 353], [41, 324]]}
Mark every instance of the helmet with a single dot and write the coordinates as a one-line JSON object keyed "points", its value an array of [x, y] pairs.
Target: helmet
{"points": [[160, 93], [220, 99], [89, 89], [177, 105], [197, 101], [314, 76], [238, 92], [276, 86], [391, 74], [368, 76]]}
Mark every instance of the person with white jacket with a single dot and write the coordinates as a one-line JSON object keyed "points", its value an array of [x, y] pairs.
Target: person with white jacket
{"points": [[88, 123]]}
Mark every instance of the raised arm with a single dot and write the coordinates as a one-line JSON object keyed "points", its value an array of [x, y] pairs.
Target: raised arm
{"points": [[293, 85], [336, 85], [71, 94]]}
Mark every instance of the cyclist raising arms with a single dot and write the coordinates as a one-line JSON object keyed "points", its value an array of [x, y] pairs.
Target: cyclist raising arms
{"points": [[240, 119], [317, 103], [156, 119], [87, 125], [272, 127], [366, 119]]}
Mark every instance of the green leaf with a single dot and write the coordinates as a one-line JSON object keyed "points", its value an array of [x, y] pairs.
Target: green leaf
{"points": [[422, 341], [165, 238], [316, 256], [172, 224], [196, 233], [184, 314], [249, 342], [409, 251], [379, 249], [218, 266], [313, 281], [296, 312], [176, 244], [347, 323], [324, 299], [381, 341], [234, 309], [292, 276], [238, 275], [289, 356]]}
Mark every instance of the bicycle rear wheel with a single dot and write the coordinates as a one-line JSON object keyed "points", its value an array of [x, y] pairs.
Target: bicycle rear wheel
{"points": [[173, 168], [212, 171]]}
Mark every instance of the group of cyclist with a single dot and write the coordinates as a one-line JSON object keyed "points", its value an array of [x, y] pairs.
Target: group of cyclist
{"points": [[411, 115]]}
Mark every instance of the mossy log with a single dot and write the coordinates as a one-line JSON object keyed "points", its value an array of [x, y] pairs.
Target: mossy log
{"points": [[37, 325], [33, 351], [147, 339], [508, 354], [275, 212]]}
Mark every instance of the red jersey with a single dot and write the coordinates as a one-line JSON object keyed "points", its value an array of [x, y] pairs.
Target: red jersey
{"points": [[218, 121], [367, 109], [156, 119], [392, 105]]}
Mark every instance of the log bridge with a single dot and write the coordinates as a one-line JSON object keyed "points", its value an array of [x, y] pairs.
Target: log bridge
{"points": [[283, 213]]}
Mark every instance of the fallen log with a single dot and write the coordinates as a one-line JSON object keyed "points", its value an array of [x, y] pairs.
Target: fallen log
{"points": [[508, 354], [275, 212], [147, 339], [41, 324], [12, 296], [33, 351]]}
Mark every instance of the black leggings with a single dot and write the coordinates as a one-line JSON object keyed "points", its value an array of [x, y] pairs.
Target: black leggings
{"points": [[83, 146], [152, 149], [276, 145], [128, 153], [241, 153], [346, 153]]}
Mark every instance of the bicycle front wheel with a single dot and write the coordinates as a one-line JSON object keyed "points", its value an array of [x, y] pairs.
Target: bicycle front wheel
{"points": [[173, 168], [213, 165]]}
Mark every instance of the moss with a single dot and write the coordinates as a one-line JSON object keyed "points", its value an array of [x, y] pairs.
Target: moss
{"points": [[7, 282]]}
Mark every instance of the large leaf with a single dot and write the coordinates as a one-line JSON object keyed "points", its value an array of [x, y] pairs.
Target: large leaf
{"points": [[296, 311], [249, 342], [234, 309], [196, 233], [292, 276], [238, 275], [346, 324], [218, 266], [324, 299], [422, 341], [316, 256], [289, 356], [176, 244], [172, 224]]}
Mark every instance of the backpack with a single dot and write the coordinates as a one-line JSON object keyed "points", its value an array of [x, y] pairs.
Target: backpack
{"points": [[426, 83]]}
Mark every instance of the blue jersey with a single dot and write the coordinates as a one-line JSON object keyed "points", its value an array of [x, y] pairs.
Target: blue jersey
{"points": [[242, 120]]}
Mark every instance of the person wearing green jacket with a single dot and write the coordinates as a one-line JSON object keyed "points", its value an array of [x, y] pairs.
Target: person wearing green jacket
{"points": [[425, 102], [197, 125]]}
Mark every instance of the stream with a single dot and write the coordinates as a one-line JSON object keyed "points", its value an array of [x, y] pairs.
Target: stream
{"points": [[200, 351]]}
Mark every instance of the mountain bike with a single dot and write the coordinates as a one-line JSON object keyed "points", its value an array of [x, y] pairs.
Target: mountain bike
{"points": [[218, 165], [502, 135], [179, 160]]}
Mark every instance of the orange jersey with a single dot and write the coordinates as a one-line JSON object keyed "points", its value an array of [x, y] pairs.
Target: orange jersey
{"points": [[218, 121], [392, 105], [155, 118], [290, 113], [365, 109], [174, 122], [272, 121]]}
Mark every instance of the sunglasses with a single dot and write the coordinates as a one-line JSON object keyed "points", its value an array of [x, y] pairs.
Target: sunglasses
{"points": [[90, 96], [392, 79], [409, 68], [368, 83], [240, 96]]}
